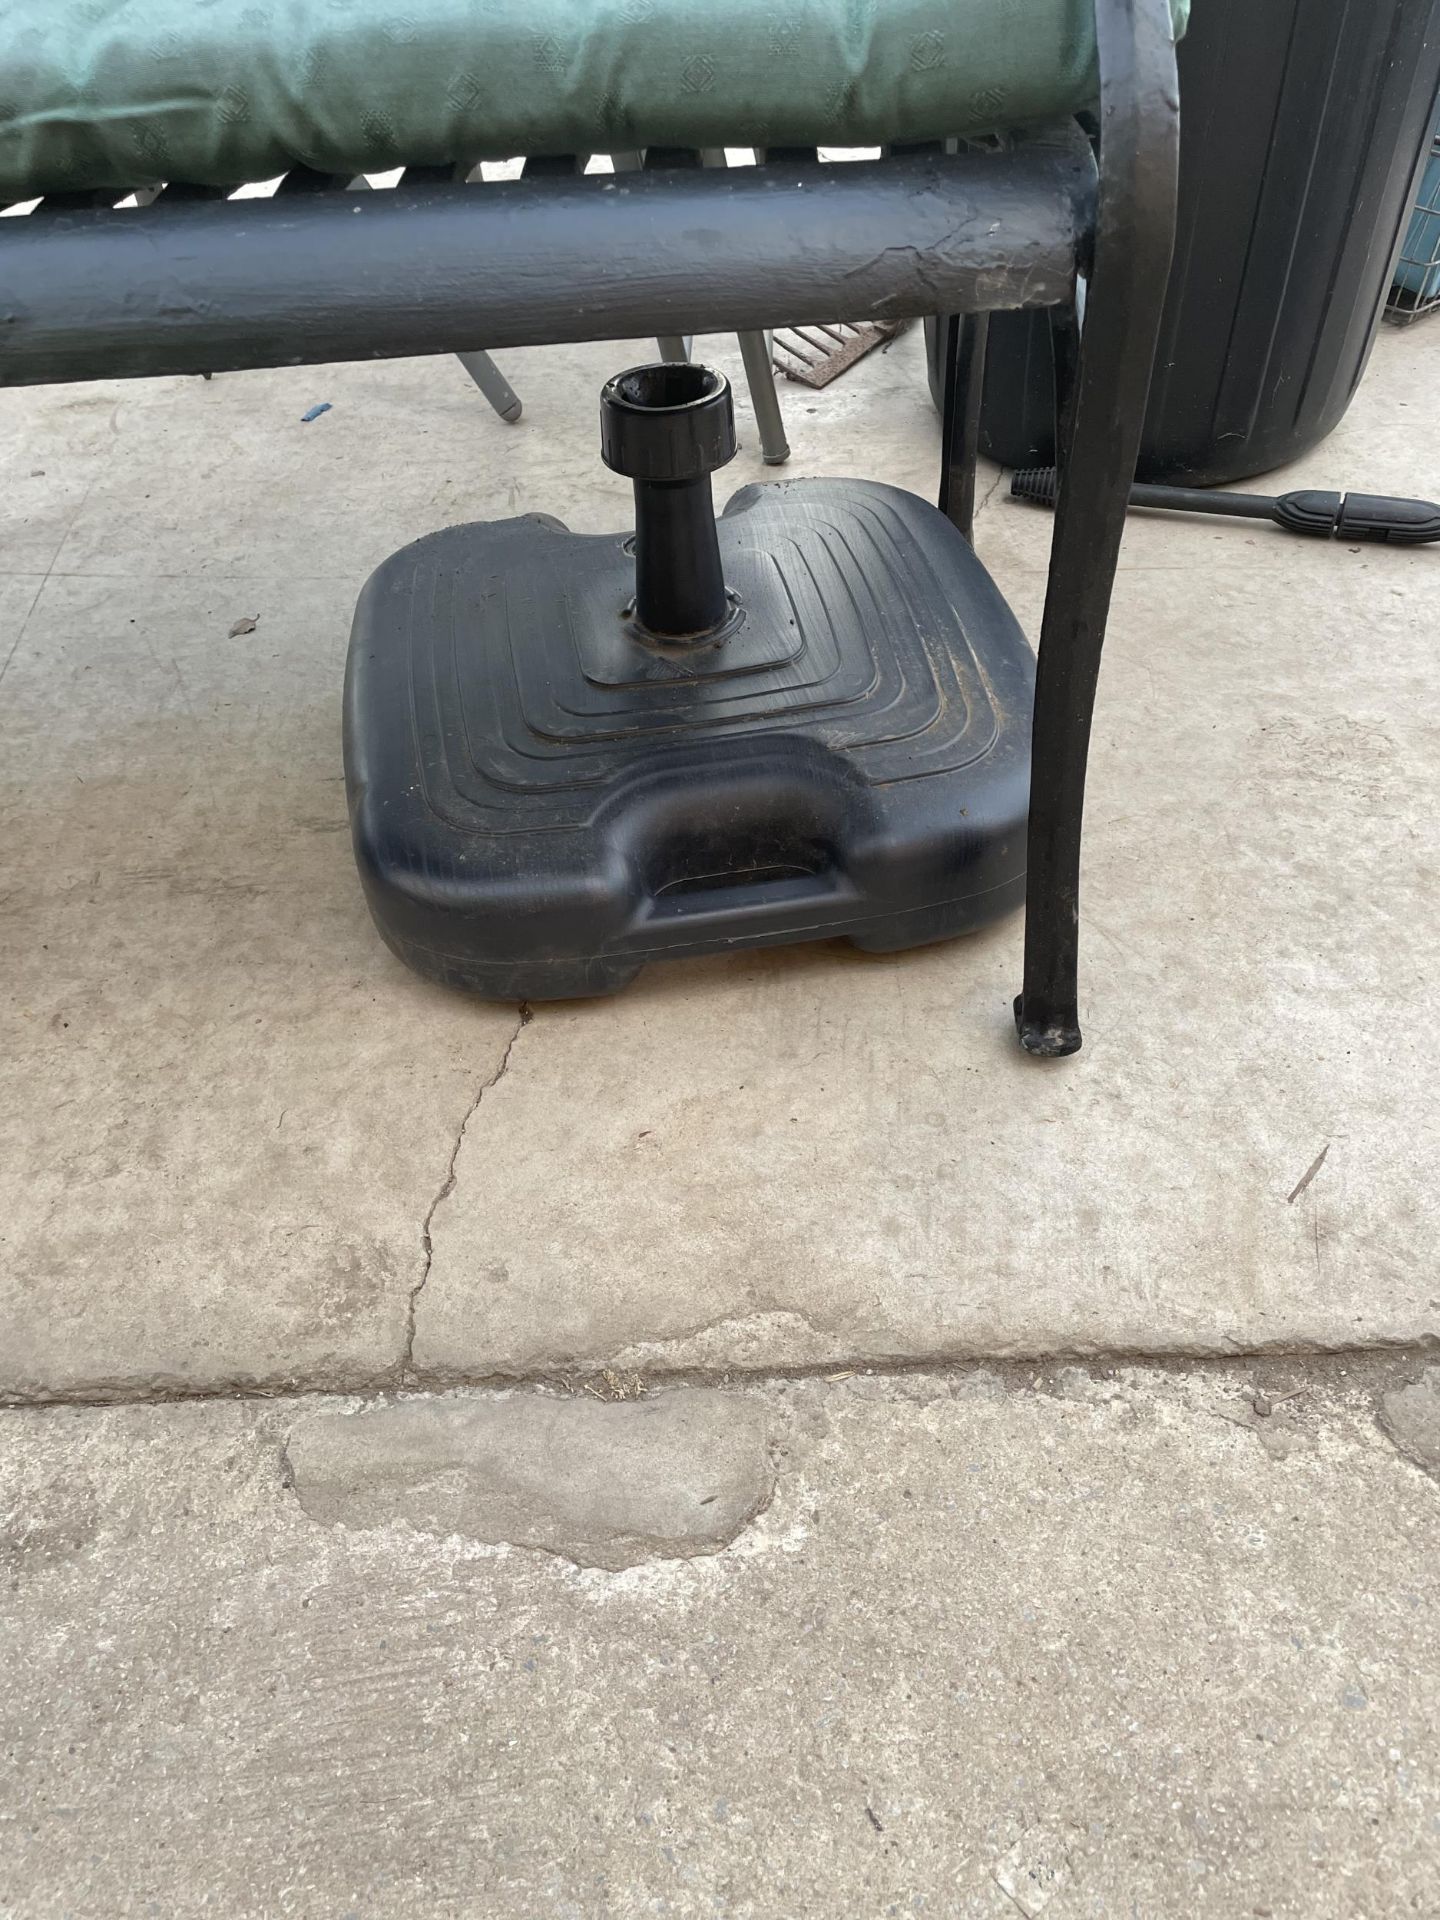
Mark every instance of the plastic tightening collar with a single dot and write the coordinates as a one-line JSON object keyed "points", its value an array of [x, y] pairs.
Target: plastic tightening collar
{"points": [[670, 421]]}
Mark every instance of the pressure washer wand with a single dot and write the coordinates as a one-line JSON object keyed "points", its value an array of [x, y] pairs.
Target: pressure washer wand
{"points": [[1328, 516]]}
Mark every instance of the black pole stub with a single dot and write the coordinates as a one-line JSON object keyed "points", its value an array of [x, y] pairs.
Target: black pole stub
{"points": [[668, 427]]}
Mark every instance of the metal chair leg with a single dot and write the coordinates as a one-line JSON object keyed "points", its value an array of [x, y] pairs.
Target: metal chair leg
{"points": [[672, 346], [964, 364], [760, 376], [493, 384], [1135, 226]]}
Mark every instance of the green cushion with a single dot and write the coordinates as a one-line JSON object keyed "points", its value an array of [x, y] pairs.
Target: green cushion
{"points": [[123, 93]]}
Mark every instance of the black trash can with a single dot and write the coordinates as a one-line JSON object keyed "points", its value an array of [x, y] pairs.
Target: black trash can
{"points": [[1303, 124]]}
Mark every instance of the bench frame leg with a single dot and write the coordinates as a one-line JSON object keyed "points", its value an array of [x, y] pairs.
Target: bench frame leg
{"points": [[1125, 290]]}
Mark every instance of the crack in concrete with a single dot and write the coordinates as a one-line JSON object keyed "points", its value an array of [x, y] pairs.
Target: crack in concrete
{"points": [[1383, 1359], [403, 1366], [990, 493], [642, 1359]]}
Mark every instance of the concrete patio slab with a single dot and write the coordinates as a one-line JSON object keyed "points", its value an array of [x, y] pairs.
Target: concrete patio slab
{"points": [[1093, 1650], [232, 1121]]}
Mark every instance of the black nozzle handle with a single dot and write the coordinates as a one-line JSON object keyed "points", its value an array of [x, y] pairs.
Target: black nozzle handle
{"points": [[1308, 511], [1380, 516], [1344, 516], [1358, 516]]}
